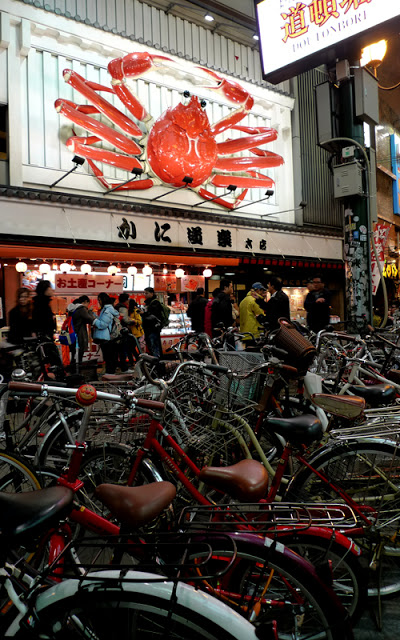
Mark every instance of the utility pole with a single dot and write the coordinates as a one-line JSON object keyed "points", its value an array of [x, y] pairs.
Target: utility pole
{"points": [[357, 223]]}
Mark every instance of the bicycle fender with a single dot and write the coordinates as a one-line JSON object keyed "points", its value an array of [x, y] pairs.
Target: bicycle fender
{"points": [[149, 583], [321, 532]]}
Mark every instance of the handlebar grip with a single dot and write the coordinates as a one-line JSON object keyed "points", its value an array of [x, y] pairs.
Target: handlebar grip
{"points": [[25, 386], [150, 404], [217, 367], [289, 370], [146, 357], [279, 352]]}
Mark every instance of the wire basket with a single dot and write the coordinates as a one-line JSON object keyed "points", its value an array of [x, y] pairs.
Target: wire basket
{"points": [[208, 419], [241, 362]]}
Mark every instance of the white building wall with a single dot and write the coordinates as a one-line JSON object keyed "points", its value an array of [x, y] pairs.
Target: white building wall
{"points": [[36, 45]]}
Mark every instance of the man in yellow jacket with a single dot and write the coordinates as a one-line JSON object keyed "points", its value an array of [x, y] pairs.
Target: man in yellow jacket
{"points": [[250, 310]]}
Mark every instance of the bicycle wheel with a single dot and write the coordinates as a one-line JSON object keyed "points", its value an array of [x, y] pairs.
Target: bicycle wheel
{"points": [[270, 584], [16, 475], [367, 470], [141, 611], [334, 564]]}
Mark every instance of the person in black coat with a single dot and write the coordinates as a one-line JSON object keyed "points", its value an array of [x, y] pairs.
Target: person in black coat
{"points": [[43, 318], [196, 311], [20, 317], [278, 306], [221, 311], [81, 317], [152, 322], [318, 305]]}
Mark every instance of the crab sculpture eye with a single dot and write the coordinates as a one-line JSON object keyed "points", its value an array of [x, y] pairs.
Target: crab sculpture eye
{"points": [[186, 97], [203, 104]]}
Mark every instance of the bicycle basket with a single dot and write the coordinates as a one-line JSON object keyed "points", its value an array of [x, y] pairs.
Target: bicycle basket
{"points": [[301, 352], [207, 419], [240, 362]]}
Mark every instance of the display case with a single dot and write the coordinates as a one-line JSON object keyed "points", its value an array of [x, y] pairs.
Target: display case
{"points": [[179, 325]]}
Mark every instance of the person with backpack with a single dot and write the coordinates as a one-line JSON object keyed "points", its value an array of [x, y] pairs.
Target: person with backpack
{"points": [[106, 330], [154, 318], [81, 316]]}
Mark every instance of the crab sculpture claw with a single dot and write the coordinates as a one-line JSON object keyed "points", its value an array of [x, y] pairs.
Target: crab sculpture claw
{"points": [[236, 94], [131, 66], [230, 89]]}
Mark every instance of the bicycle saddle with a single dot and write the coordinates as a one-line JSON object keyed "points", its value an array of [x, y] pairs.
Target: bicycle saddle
{"points": [[136, 506], [375, 394], [29, 512], [246, 480], [298, 430]]}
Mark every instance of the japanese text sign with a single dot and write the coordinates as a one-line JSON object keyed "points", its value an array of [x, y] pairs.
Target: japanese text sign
{"points": [[165, 283], [381, 233], [191, 283], [71, 284], [294, 34]]}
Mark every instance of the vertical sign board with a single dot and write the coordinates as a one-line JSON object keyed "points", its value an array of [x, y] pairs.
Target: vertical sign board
{"points": [[395, 156], [297, 36]]}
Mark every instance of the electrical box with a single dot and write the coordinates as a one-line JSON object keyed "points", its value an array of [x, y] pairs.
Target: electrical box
{"points": [[366, 96], [348, 180]]}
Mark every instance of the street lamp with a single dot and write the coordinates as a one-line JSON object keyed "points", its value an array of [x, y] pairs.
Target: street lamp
{"points": [[373, 54]]}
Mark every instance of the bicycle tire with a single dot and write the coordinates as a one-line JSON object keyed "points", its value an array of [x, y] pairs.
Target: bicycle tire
{"points": [[126, 611], [353, 465], [295, 596], [334, 564], [16, 474], [344, 465]]}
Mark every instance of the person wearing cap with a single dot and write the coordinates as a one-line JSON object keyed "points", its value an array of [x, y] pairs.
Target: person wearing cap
{"points": [[278, 305], [250, 309]]}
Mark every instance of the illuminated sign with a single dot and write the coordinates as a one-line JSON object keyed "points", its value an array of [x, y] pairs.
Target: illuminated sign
{"points": [[296, 36], [395, 154]]}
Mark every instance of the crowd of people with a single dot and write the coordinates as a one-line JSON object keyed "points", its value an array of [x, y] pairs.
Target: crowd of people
{"points": [[140, 327]]}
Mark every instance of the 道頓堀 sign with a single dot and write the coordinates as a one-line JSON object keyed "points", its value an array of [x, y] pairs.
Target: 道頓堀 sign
{"points": [[297, 36]]}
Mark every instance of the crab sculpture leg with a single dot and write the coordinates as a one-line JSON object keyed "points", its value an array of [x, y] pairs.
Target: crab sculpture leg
{"points": [[81, 116]]}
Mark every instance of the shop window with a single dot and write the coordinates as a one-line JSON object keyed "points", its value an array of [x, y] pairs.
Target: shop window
{"points": [[3, 132]]}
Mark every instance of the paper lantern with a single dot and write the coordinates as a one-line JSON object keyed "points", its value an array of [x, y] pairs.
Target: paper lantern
{"points": [[21, 267], [112, 270], [147, 270]]}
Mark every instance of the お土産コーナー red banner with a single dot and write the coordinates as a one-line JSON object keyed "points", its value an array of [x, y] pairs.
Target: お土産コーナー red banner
{"points": [[71, 284]]}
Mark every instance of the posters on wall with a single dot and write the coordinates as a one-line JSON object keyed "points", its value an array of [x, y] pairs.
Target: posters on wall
{"points": [[381, 234], [191, 283]]}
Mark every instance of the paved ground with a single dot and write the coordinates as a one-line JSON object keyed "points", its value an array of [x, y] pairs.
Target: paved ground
{"points": [[367, 628]]}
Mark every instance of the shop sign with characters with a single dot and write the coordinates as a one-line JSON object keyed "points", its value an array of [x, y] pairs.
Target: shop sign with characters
{"points": [[150, 231], [70, 284], [296, 36], [390, 271]]}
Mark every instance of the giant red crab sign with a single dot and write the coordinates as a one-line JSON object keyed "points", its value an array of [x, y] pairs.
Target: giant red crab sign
{"points": [[181, 143]]}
